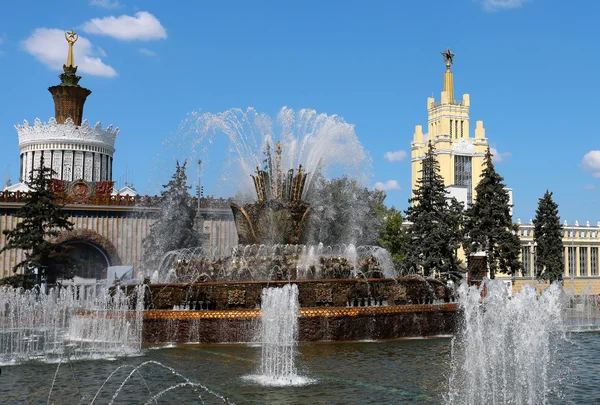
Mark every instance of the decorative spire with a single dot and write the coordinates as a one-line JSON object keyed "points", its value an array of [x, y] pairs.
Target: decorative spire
{"points": [[69, 96], [448, 80], [69, 77], [71, 38]]}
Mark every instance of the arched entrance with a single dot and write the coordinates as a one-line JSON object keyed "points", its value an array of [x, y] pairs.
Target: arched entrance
{"points": [[92, 260], [92, 251]]}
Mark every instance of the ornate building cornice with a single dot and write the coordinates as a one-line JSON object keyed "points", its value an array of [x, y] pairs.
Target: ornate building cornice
{"points": [[68, 132], [463, 147]]}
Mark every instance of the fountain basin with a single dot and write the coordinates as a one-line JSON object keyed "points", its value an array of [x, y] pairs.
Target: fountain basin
{"points": [[346, 309]]}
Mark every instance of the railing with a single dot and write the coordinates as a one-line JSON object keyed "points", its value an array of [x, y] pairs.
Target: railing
{"points": [[118, 200], [456, 102]]}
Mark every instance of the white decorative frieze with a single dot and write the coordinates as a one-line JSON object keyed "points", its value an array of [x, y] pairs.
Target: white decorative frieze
{"points": [[103, 174], [78, 166], [57, 164], [88, 169], [29, 165], [68, 165], [47, 158], [463, 147], [96, 167], [68, 132], [37, 160]]}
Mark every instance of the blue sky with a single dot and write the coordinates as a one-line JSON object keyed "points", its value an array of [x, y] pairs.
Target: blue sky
{"points": [[530, 67]]}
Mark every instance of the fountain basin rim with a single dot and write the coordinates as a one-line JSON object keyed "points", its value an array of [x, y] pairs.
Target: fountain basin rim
{"points": [[278, 282], [310, 312]]}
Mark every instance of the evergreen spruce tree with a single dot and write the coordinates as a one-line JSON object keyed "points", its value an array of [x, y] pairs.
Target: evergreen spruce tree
{"points": [[547, 233], [174, 228], [489, 227], [393, 237], [434, 236], [42, 219]]}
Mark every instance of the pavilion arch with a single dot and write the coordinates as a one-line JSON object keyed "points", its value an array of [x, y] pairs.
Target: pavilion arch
{"points": [[93, 240]]}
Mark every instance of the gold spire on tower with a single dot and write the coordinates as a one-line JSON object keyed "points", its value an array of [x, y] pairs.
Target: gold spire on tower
{"points": [[71, 38], [448, 80], [69, 97]]}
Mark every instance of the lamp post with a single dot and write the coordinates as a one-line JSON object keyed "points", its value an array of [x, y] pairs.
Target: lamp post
{"points": [[199, 189], [529, 264], [572, 259], [534, 263]]}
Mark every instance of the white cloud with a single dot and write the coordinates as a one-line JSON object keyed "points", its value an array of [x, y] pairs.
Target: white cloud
{"points": [[387, 186], [48, 45], [498, 157], [147, 52], [142, 26], [591, 162], [395, 156], [589, 187], [497, 5], [105, 3]]}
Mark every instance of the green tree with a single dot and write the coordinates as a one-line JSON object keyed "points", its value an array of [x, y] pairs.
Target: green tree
{"points": [[42, 219], [489, 227], [548, 232], [174, 228], [392, 236], [434, 235], [343, 212]]}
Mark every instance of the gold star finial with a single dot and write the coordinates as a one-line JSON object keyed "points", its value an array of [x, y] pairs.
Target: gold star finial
{"points": [[71, 38], [448, 57]]}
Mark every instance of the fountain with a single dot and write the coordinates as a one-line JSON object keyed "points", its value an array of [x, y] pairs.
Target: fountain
{"points": [[69, 322], [279, 337], [583, 310], [506, 349], [280, 214], [275, 262], [217, 296]]}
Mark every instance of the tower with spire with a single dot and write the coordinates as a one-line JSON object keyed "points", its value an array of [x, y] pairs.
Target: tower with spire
{"points": [[460, 156], [74, 149]]}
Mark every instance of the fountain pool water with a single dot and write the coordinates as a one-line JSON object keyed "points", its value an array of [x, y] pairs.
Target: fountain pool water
{"points": [[279, 337], [506, 351]]}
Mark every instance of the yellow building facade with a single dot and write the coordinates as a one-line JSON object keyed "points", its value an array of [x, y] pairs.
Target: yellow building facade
{"points": [[581, 251], [461, 158], [459, 154]]}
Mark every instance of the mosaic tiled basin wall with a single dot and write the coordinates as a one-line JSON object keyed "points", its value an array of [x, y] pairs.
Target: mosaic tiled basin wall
{"points": [[347, 309]]}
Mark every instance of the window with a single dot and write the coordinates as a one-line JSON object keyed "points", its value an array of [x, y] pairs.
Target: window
{"points": [[594, 261], [583, 261], [572, 252], [451, 130], [582, 234], [463, 174], [461, 128], [525, 259]]}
